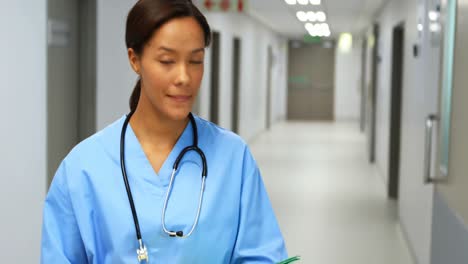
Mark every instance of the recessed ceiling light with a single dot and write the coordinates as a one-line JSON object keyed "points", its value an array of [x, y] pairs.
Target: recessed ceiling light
{"points": [[318, 30], [315, 2], [302, 16], [303, 2], [420, 27], [290, 2], [311, 16], [321, 17], [433, 15], [434, 27]]}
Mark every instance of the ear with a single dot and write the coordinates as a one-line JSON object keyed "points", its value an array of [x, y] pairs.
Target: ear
{"points": [[134, 60]]}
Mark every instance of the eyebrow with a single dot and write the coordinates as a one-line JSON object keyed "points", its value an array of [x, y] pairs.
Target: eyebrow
{"points": [[172, 50]]}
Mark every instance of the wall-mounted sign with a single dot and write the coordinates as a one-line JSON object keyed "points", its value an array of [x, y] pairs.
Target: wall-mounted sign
{"points": [[312, 39], [224, 5]]}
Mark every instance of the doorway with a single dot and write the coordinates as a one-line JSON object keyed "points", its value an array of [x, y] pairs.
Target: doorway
{"points": [[214, 100], [236, 51], [373, 94], [395, 111], [268, 87], [71, 77], [362, 121], [311, 84]]}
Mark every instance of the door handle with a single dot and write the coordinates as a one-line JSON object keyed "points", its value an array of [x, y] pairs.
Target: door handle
{"points": [[431, 119]]}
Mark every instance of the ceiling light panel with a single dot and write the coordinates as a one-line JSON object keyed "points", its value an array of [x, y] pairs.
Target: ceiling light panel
{"points": [[320, 16], [302, 16], [303, 2], [318, 30], [311, 16]]}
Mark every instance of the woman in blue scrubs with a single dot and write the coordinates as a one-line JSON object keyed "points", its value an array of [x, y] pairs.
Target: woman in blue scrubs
{"points": [[88, 213]]}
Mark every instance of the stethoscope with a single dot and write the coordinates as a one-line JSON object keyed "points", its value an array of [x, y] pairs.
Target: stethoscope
{"points": [[142, 252]]}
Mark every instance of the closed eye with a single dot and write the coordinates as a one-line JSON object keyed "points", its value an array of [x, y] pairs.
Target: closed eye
{"points": [[166, 62]]}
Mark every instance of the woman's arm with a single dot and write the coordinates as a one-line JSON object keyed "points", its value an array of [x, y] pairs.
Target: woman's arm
{"points": [[61, 240], [259, 238]]}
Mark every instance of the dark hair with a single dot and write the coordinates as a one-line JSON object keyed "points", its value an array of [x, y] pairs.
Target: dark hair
{"points": [[146, 17]]}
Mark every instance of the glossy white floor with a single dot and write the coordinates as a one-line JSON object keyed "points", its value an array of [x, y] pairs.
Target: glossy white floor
{"points": [[330, 203]]}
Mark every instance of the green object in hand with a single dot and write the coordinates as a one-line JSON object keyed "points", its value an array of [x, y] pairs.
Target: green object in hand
{"points": [[290, 260]]}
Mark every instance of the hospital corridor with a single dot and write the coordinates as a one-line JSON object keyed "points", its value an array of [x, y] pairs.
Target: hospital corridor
{"points": [[329, 200], [234, 131]]}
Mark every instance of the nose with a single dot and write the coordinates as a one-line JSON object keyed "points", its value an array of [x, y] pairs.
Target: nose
{"points": [[183, 76]]}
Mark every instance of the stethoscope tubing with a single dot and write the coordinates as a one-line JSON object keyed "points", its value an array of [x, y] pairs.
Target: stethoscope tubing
{"points": [[195, 148]]}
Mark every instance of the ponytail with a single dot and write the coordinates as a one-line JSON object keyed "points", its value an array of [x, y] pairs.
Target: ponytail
{"points": [[135, 96]]}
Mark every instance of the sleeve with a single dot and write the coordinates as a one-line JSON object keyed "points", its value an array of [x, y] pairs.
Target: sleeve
{"points": [[259, 239], [61, 240]]}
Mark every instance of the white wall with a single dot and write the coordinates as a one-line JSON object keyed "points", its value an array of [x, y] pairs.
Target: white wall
{"points": [[23, 108], [255, 39], [115, 79], [348, 82]]}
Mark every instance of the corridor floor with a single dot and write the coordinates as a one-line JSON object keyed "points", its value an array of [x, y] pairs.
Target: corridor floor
{"points": [[329, 201]]}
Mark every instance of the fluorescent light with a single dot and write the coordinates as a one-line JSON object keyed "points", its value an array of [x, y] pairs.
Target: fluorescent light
{"points": [[303, 2], [309, 26], [434, 27], [320, 16], [433, 15], [319, 29], [420, 27], [302, 16], [315, 2], [311, 16], [326, 30], [345, 42], [290, 2]]}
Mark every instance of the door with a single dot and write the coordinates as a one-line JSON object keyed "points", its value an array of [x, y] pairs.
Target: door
{"points": [[71, 77], [235, 84], [62, 81], [369, 97], [268, 88], [421, 99], [372, 92], [311, 82], [214, 99], [395, 111], [362, 116]]}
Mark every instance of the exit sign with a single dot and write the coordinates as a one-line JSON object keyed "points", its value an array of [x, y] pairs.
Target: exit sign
{"points": [[312, 39], [224, 5]]}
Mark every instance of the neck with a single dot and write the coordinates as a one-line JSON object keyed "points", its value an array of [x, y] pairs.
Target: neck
{"points": [[155, 129]]}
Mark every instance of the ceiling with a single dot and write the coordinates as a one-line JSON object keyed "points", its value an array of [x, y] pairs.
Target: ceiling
{"points": [[342, 15]]}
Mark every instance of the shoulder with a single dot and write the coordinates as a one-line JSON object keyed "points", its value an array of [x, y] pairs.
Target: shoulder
{"points": [[93, 148], [213, 134], [225, 145]]}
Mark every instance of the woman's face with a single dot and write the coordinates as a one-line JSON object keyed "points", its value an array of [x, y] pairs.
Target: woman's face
{"points": [[171, 68]]}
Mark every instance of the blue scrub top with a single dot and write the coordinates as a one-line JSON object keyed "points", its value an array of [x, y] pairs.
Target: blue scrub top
{"points": [[87, 216]]}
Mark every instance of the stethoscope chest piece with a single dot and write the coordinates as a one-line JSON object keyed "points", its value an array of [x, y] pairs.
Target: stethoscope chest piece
{"points": [[142, 253]]}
